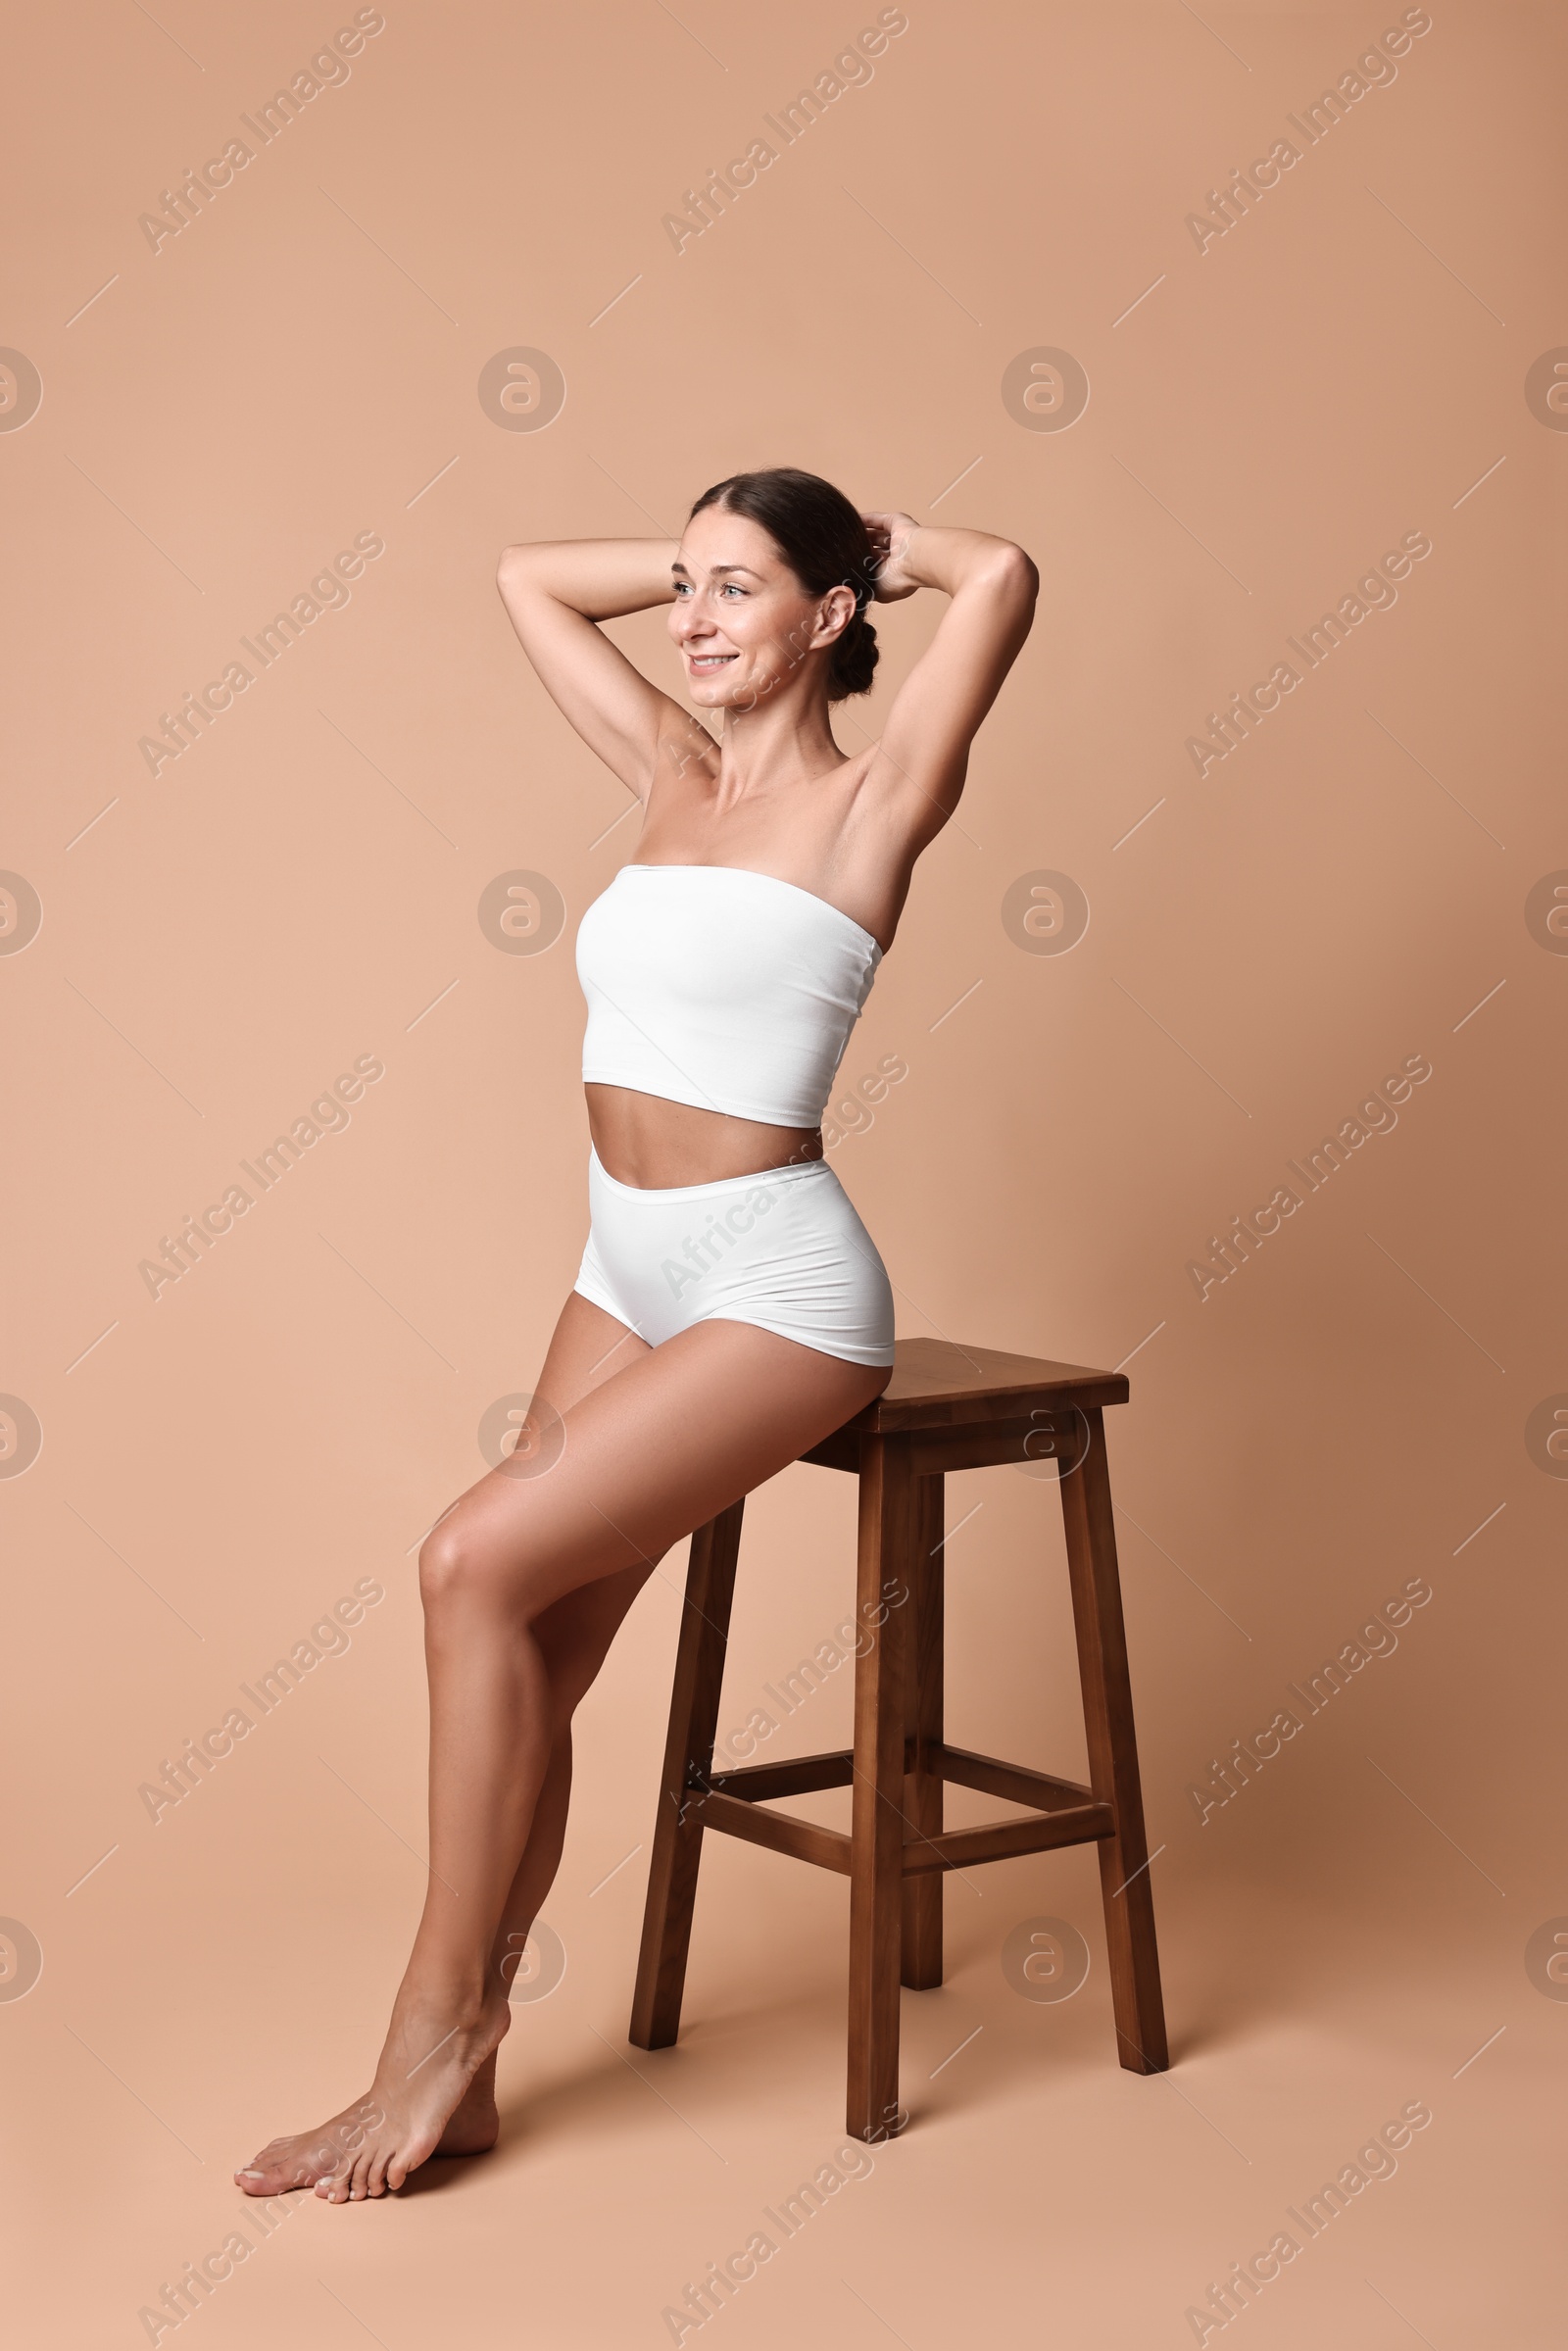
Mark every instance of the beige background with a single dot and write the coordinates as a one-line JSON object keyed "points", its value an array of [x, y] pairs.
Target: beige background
{"points": [[1266, 417]]}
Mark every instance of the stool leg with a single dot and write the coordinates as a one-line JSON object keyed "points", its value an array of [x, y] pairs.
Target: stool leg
{"points": [[888, 1526], [924, 1783], [1113, 1757], [688, 1755]]}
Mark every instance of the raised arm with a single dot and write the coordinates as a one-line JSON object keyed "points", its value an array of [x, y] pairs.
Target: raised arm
{"points": [[557, 591], [924, 752]]}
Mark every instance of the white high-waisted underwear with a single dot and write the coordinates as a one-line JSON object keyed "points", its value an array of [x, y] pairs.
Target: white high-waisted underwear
{"points": [[783, 1250]]}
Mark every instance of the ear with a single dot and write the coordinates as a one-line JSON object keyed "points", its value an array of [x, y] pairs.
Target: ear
{"points": [[836, 612]]}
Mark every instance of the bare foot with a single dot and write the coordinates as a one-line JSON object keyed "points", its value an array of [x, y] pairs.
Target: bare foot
{"points": [[434, 2091], [313, 2155]]}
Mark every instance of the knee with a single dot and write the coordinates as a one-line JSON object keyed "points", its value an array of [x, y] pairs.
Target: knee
{"points": [[460, 1569], [443, 1560]]}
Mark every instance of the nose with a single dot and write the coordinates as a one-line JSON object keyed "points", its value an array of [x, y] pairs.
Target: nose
{"points": [[693, 620]]}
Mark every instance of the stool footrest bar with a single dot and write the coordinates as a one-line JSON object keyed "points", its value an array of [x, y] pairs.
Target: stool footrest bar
{"points": [[780, 1831], [1041, 1791], [803, 1775], [957, 1848], [1001, 1841], [797, 1775]]}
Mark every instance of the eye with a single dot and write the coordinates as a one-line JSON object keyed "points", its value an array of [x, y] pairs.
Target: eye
{"points": [[732, 587]]}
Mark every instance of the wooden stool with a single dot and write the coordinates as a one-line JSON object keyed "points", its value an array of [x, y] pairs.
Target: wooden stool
{"points": [[946, 1408]]}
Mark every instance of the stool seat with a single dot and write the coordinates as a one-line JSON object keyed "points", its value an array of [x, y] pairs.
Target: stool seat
{"points": [[946, 1408], [937, 1384]]}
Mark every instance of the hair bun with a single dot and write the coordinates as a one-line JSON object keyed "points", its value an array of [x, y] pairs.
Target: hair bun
{"points": [[854, 660]]}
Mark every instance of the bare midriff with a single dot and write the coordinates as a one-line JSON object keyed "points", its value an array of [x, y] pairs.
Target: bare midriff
{"points": [[656, 1144]]}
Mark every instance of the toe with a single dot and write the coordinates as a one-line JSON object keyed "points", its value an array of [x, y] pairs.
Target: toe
{"points": [[270, 2174], [406, 2157]]}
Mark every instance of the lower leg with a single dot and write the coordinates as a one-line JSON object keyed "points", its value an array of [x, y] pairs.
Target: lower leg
{"points": [[474, 2123], [572, 1640], [491, 1715]]}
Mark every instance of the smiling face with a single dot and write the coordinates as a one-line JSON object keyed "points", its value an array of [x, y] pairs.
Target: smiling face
{"points": [[742, 623]]}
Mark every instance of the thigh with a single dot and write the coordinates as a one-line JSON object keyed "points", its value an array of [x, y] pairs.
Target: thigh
{"points": [[645, 1454], [586, 1347]]}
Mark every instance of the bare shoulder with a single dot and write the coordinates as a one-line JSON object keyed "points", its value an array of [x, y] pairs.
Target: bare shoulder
{"points": [[678, 791]]}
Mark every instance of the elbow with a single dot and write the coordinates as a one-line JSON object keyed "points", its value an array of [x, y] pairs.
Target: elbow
{"points": [[513, 562], [1016, 575]]}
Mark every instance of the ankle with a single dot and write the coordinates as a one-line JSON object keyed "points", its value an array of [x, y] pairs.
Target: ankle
{"points": [[461, 2002]]}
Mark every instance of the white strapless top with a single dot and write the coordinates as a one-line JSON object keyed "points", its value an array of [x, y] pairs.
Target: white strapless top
{"points": [[722, 987]]}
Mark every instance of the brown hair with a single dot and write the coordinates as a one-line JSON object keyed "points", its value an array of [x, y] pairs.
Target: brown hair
{"points": [[824, 542]]}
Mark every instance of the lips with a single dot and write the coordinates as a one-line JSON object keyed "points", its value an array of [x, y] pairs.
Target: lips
{"points": [[704, 663]]}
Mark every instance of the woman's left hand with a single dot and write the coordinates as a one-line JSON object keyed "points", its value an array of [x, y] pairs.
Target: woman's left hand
{"points": [[890, 535]]}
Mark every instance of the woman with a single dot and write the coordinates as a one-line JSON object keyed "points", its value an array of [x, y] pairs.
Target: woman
{"points": [[731, 1310]]}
